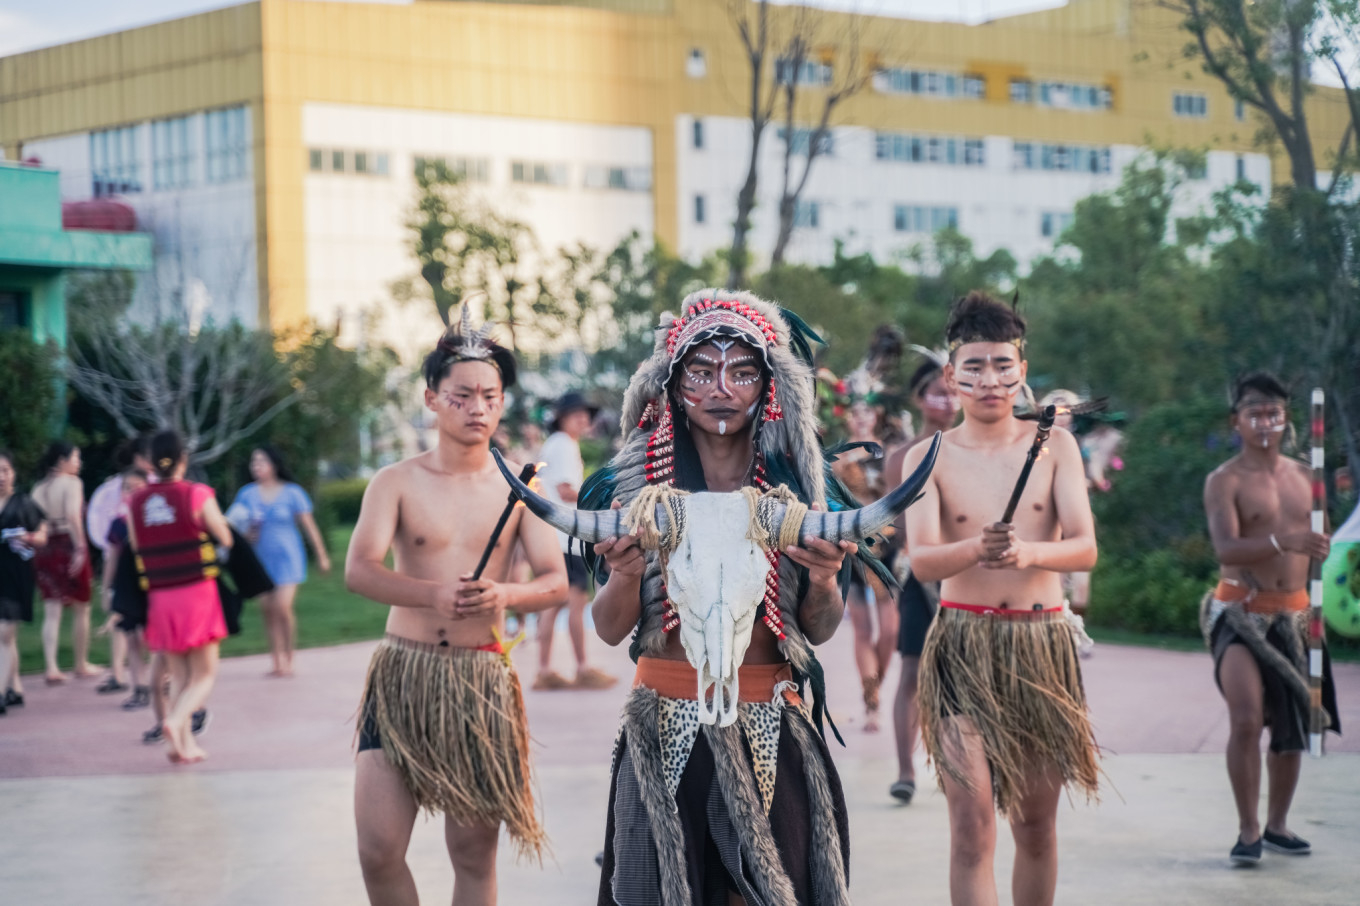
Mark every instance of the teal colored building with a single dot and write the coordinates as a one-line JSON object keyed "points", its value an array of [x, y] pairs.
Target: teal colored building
{"points": [[36, 252]]}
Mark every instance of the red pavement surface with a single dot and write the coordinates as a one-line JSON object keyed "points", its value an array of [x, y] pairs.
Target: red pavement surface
{"points": [[1143, 700]]}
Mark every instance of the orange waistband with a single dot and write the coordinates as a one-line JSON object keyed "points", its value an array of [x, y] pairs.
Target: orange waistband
{"points": [[1261, 601], [677, 679], [1011, 613]]}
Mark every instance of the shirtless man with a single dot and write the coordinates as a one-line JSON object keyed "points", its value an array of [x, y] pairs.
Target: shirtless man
{"points": [[1001, 605], [442, 664], [1258, 505]]}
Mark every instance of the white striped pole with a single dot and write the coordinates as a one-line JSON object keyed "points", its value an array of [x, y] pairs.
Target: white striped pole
{"points": [[1317, 718]]}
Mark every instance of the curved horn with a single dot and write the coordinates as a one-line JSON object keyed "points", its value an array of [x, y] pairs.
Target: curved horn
{"points": [[858, 524], [584, 525]]}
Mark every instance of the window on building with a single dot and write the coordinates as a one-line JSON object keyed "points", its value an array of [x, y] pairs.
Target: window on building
{"points": [[810, 72], [225, 144], [1196, 168], [14, 309], [1063, 158], [1052, 223], [696, 66], [1062, 95], [380, 164], [898, 80], [1241, 168], [471, 169], [697, 135], [909, 218], [937, 149], [338, 162], [1190, 104], [699, 212], [115, 161], [807, 214], [538, 173], [316, 160], [802, 140], [1239, 110], [633, 179], [360, 161], [172, 153]]}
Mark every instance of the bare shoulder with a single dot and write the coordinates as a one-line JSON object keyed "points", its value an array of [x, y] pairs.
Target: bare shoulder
{"points": [[1298, 467], [1223, 479]]}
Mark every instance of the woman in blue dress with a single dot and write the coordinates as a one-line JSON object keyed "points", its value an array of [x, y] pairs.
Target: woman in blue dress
{"points": [[269, 511]]}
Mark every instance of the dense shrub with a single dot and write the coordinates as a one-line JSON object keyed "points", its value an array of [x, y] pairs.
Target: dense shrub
{"points": [[1150, 593], [28, 393], [338, 501]]}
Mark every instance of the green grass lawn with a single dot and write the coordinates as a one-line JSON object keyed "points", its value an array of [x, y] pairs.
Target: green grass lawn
{"points": [[327, 614]]}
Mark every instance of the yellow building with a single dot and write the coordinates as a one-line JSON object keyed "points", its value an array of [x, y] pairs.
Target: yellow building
{"points": [[269, 147]]}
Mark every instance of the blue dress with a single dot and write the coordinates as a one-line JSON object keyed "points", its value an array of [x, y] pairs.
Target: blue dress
{"points": [[278, 542]]}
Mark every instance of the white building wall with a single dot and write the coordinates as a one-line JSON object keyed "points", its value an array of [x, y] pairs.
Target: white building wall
{"points": [[998, 205], [358, 245], [203, 234]]}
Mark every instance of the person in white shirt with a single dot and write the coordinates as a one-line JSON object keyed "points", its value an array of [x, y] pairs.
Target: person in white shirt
{"points": [[561, 475]]}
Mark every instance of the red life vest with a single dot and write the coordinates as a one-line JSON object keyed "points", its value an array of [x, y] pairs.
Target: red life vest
{"points": [[170, 547]]}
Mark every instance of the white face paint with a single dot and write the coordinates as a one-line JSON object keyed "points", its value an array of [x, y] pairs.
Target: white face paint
{"points": [[969, 373]]}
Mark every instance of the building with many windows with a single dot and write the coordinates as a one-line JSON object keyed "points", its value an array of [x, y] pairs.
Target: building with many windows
{"points": [[271, 147]]}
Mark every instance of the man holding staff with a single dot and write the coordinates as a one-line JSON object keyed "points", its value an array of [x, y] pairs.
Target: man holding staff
{"points": [[1003, 712], [442, 724], [1256, 619]]}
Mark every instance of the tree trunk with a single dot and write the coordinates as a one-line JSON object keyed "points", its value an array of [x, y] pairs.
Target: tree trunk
{"points": [[746, 202], [788, 206]]}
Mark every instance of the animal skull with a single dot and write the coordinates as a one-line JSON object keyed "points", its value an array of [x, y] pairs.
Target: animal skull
{"points": [[715, 575]]}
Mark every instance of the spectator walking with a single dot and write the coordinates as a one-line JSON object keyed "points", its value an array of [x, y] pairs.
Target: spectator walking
{"points": [[63, 564], [174, 524], [268, 511], [21, 530], [561, 477], [127, 619]]}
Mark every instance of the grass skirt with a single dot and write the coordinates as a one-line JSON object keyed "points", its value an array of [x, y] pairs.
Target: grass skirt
{"points": [[452, 723], [1018, 680]]}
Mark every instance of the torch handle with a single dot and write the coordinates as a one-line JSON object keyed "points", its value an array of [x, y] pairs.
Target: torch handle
{"points": [[1040, 438], [526, 475]]}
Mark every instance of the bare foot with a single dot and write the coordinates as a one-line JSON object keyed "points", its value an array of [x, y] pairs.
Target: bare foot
{"points": [[175, 737], [194, 754], [56, 679], [871, 722], [276, 672], [89, 671]]}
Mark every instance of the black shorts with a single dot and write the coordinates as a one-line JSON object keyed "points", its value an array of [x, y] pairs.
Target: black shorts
{"points": [[576, 572], [916, 610], [369, 737]]}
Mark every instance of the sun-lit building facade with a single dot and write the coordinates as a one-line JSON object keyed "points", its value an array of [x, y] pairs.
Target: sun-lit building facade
{"points": [[270, 147]]}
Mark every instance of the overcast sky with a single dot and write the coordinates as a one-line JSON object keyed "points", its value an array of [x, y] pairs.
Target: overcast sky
{"points": [[29, 24]]}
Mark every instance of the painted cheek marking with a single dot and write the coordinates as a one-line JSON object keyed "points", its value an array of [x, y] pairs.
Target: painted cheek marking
{"points": [[1011, 389], [751, 409], [965, 387]]}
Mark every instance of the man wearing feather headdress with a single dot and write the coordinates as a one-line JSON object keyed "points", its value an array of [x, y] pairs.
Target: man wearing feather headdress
{"points": [[1003, 711], [441, 723], [725, 573]]}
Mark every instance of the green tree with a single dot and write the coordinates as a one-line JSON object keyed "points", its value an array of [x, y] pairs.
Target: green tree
{"points": [[28, 397]]}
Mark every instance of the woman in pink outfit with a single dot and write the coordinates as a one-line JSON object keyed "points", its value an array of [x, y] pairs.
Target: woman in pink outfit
{"points": [[175, 529]]}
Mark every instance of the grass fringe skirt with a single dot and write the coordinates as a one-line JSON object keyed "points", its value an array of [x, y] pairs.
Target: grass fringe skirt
{"points": [[1019, 682], [452, 723]]}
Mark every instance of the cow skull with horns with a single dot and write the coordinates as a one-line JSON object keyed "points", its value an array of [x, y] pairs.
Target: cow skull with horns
{"points": [[715, 573]]}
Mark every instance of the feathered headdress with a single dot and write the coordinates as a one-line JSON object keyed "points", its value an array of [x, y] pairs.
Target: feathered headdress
{"points": [[467, 343]]}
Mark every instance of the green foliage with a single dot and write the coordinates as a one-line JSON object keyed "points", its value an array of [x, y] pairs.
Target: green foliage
{"points": [[1157, 501], [1149, 593], [28, 396], [338, 502]]}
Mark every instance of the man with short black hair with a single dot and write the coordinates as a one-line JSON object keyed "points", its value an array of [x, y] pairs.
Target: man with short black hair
{"points": [[1003, 711], [442, 724], [1255, 621]]}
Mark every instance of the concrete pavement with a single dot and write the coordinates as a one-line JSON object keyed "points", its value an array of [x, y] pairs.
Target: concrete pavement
{"points": [[87, 813]]}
